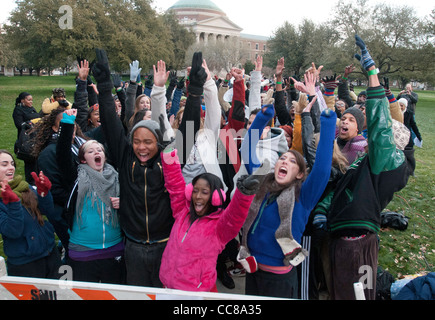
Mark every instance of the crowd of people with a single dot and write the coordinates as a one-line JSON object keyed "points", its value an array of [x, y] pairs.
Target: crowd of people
{"points": [[177, 182]]}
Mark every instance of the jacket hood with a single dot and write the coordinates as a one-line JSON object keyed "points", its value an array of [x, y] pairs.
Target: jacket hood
{"points": [[275, 141]]}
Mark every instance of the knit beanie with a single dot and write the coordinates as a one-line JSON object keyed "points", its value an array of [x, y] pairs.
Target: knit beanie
{"points": [[362, 93], [151, 125], [359, 116], [403, 101]]}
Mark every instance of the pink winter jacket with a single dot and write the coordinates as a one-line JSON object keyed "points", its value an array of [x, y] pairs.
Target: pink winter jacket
{"points": [[189, 260]]}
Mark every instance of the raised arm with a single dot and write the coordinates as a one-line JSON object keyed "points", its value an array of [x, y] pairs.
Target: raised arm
{"points": [[383, 154], [63, 149], [255, 94], [158, 98], [81, 96], [110, 122]]}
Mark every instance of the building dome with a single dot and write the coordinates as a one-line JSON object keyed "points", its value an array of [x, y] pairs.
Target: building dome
{"points": [[196, 4]]}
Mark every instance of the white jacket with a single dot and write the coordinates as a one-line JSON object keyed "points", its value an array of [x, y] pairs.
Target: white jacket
{"points": [[270, 148], [255, 92], [158, 105], [205, 150]]}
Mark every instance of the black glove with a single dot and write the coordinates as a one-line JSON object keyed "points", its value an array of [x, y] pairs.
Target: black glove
{"points": [[248, 185], [180, 84], [386, 83], [63, 103], [149, 81], [116, 81], [101, 69], [172, 84], [173, 79], [197, 76]]}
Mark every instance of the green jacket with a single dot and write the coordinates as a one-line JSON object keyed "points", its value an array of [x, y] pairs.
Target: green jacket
{"points": [[354, 207]]}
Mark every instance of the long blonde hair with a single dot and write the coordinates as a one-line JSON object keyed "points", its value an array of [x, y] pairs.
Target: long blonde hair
{"points": [[338, 159], [137, 109]]}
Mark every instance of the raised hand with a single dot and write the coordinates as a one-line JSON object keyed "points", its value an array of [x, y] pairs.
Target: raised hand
{"points": [[310, 105], [331, 82], [236, 73], [134, 71], [83, 68], [259, 63], [207, 71], [117, 81], [365, 58], [7, 194], [198, 75], [279, 68], [310, 83], [348, 70], [160, 74], [315, 71], [43, 184], [101, 68]]}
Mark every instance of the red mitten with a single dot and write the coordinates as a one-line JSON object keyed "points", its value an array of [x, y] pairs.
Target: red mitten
{"points": [[43, 184], [248, 262], [8, 195]]}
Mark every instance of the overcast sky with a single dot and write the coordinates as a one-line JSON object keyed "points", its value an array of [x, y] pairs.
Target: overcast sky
{"points": [[264, 17]]}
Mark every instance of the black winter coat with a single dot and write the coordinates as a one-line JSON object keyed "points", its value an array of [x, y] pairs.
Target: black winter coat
{"points": [[145, 213]]}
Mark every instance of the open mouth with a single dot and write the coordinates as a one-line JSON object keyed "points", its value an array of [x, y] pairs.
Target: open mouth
{"points": [[9, 175], [143, 157], [282, 172], [344, 130], [98, 160], [199, 206]]}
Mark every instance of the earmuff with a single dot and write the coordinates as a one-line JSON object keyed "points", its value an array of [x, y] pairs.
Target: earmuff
{"points": [[215, 199]]}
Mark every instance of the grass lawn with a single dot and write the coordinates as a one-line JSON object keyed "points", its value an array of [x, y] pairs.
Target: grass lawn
{"points": [[401, 252]]}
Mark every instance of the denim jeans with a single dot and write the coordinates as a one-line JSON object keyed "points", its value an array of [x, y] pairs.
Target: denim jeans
{"points": [[143, 263]]}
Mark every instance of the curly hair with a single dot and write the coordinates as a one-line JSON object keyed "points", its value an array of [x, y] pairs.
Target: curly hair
{"points": [[43, 131]]}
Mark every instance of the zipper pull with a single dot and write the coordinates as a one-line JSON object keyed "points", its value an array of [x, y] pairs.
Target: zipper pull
{"points": [[184, 236]]}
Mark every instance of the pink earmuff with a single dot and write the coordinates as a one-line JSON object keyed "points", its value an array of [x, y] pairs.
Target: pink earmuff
{"points": [[188, 192], [215, 200]]}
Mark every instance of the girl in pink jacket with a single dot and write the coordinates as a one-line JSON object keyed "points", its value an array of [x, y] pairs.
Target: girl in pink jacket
{"points": [[202, 226]]}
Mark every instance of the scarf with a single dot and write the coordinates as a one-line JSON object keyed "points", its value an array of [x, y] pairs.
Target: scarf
{"points": [[292, 250], [18, 185], [98, 186]]}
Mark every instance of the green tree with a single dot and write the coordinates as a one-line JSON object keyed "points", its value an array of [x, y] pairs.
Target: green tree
{"points": [[128, 30], [300, 46], [398, 40]]}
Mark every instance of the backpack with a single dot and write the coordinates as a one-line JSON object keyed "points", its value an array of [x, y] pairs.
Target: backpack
{"points": [[24, 145], [384, 280], [390, 219]]}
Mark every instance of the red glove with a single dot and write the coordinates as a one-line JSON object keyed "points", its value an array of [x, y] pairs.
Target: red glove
{"points": [[8, 195], [43, 184]]}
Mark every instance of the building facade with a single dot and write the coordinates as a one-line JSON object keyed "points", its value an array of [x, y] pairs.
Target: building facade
{"points": [[210, 23]]}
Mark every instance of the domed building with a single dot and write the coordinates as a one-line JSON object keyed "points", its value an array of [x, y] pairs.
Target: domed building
{"points": [[210, 23]]}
